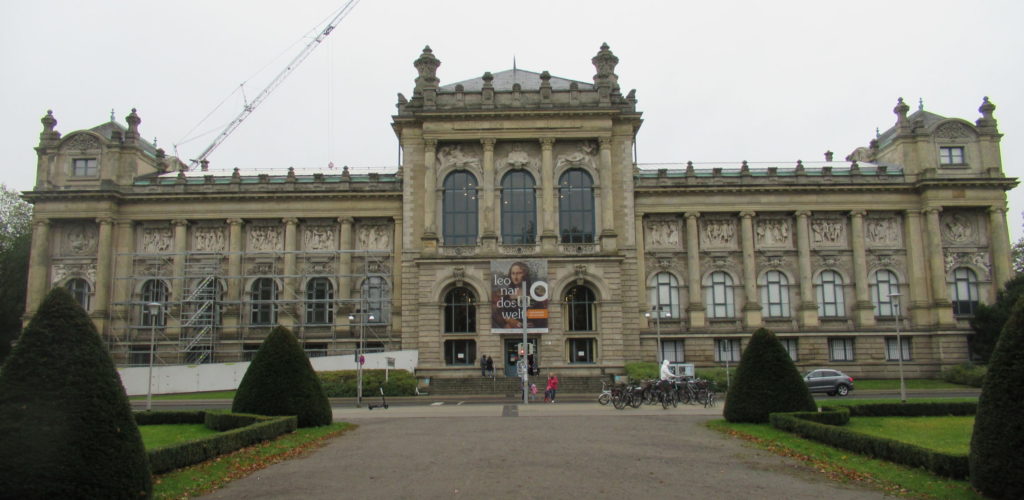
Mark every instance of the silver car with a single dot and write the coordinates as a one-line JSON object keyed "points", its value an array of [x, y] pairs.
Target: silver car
{"points": [[829, 381]]}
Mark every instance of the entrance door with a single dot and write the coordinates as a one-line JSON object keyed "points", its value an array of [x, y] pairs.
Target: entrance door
{"points": [[512, 355]]}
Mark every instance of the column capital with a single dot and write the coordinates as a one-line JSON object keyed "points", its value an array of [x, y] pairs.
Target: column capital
{"points": [[290, 220], [692, 215], [747, 214], [547, 143], [125, 222], [179, 222], [346, 220], [913, 212], [488, 143], [858, 213], [802, 213], [41, 223], [106, 221], [604, 142], [430, 143], [235, 221], [932, 210], [997, 210]]}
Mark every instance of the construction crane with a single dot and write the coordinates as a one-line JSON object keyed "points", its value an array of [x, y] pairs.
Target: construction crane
{"points": [[201, 160]]}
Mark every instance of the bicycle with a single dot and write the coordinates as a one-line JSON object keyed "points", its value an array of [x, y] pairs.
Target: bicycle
{"points": [[606, 393]]}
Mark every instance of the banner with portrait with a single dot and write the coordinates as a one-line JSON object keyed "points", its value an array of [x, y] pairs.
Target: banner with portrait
{"points": [[507, 278]]}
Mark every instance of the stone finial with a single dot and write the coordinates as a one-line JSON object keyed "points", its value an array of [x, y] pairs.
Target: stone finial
{"points": [[204, 166], [605, 62], [920, 104], [160, 153], [901, 110], [49, 122], [133, 126], [488, 79], [236, 176], [427, 65], [545, 79], [828, 155], [291, 174], [986, 109]]}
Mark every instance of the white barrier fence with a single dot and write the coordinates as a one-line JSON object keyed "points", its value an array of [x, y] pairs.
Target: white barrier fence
{"points": [[175, 379]]}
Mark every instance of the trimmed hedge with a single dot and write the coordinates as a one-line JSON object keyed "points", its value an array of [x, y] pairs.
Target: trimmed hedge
{"points": [[966, 374], [643, 370], [914, 409], [259, 429], [766, 382], [943, 464], [342, 383], [169, 417], [827, 415]]}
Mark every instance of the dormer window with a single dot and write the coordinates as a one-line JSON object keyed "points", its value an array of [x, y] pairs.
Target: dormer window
{"points": [[83, 167], [951, 155]]}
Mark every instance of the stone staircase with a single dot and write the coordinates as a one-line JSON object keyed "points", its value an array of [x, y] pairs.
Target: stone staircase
{"points": [[510, 386]]}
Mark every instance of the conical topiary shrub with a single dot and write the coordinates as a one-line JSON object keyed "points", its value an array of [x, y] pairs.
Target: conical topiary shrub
{"points": [[766, 381], [280, 381], [66, 428], [997, 445]]}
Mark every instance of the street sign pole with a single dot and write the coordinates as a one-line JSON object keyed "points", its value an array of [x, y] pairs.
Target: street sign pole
{"points": [[524, 299]]}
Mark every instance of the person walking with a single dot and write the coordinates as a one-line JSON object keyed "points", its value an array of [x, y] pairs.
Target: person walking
{"points": [[483, 365], [490, 366], [549, 394]]}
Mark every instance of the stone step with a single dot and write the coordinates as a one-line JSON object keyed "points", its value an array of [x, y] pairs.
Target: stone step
{"points": [[510, 385]]}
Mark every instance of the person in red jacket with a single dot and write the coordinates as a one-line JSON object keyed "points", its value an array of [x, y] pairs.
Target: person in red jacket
{"points": [[549, 394]]}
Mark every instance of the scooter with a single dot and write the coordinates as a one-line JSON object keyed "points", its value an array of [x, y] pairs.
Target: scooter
{"points": [[383, 401]]}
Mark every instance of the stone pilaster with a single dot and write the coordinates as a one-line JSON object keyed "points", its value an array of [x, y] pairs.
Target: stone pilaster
{"points": [[549, 233], [752, 317], [39, 266], [180, 251], [291, 246], [104, 264], [863, 309], [808, 308], [124, 243], [1000, 248], [942, 308], [430, 191], [489, 237], [695, 309], [608, 234], [919, 302], [345, 259]]}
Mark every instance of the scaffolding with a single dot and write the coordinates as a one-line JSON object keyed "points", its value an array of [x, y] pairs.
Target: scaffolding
{"points": [[196, 310]]}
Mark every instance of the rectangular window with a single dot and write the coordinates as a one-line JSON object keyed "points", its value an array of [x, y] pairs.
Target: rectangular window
{"points": [[459, 352], [315, 350], [791, 347], [727, 350], [83, 167], [672, 350], [840, 349], [951, 155], [892, 353], [581, 350], [138, 355], [249, 351]]}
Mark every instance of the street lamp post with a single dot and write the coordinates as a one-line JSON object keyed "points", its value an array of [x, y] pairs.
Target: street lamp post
{"points": [[657, 313], [154, 309], [895, 298], [359, 357]]}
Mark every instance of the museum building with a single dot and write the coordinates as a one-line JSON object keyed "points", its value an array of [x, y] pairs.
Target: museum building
{"points": [[518, 182]]}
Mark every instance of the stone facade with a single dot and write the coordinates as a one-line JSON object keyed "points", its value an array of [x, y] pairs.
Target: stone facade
{"points": [[680, 263]]}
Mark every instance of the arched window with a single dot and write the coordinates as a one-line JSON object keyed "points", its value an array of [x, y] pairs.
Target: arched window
{"points": [[518, 208], [319, 301], [459, 311], [375, 295], [263, 302], [576, 206], [829, 286], [663, 291], [580, 302], [884, 285], [460, 209], [80, 290], [775, 294], [153, 292], [964, 291], [719, 295]]}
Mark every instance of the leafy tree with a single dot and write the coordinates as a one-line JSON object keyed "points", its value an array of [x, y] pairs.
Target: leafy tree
{"points": [[997, 444], [15, 241], [988, 320], [66, 429], [1017, 256], [766, 382], [280, 381]]}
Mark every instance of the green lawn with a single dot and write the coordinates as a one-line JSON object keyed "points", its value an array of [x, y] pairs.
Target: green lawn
{"points": [[945, 434], [854, 402], [189, 395], [155, 436], [894, 384], [847, 467]]}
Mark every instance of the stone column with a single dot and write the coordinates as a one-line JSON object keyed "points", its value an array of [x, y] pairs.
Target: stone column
{"points": [[695, 309], [104, 263], [124, 238], [1001, 272], [235, 281], [429, 190], [641, 265], [291, 247], [489, 237], [180, 250], [39, 266], [808, 309], [919, 303], [549, 234], [942, 308], [863, 309], [752, 306], [396, 278], [345, 259], [608, 235]]}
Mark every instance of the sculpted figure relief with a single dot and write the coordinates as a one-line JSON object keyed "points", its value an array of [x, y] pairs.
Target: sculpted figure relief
{"points": [[718, 232], [80, 240], [374, 237], [957, 228], [210, 239], [517, 158], [662, 234], [453, 156], [831, 232], [772, 232], [882, 231], [584, 155], [156, 240], [264, 238], [318, 237]]}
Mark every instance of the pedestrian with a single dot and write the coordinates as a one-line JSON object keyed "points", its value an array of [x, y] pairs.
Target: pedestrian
{"points": [[549, 394], [490, 366], [533, 392], [483, 365]]}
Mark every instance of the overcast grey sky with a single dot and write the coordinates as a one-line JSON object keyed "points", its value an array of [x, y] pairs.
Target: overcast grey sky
{"points": [[718, 81]]}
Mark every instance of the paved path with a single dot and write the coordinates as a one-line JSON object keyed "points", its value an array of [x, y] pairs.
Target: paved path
{"points": [[574, 451]]}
